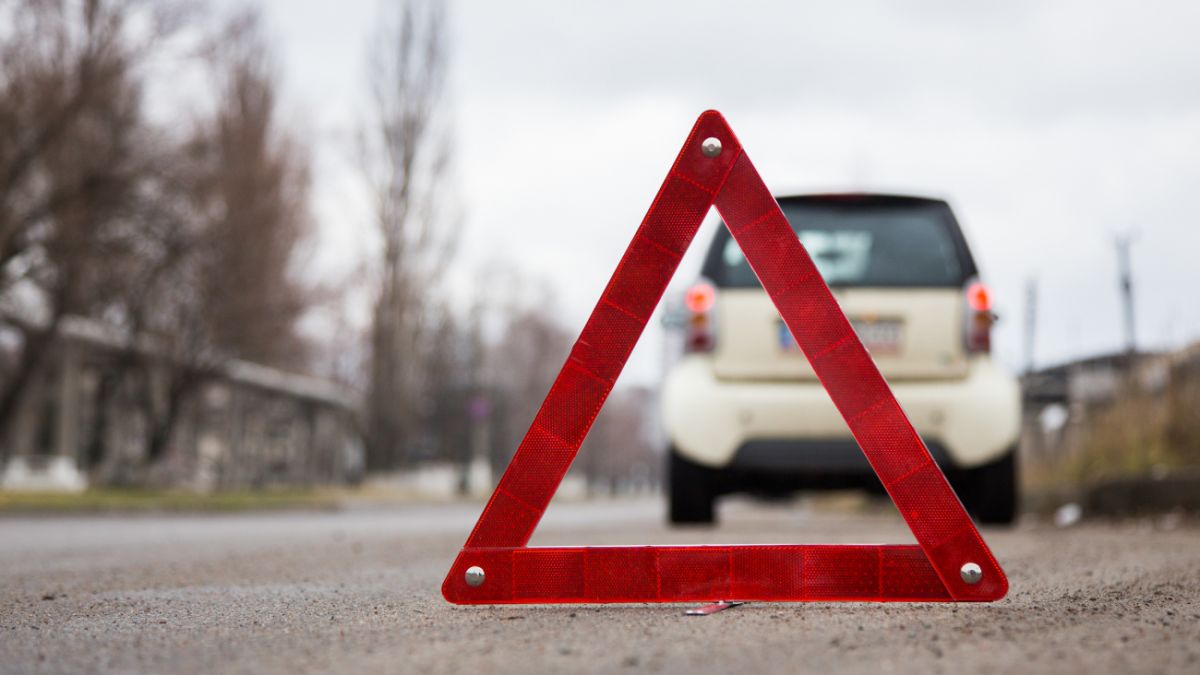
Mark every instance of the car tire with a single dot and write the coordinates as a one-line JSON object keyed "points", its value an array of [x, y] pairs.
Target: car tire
{"points": [[692, 493], [991, 493]]}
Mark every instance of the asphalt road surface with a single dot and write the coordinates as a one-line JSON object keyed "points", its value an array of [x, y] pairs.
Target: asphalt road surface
{"points": [[357, 591]]}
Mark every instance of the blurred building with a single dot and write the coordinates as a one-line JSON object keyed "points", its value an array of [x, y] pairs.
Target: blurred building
{"points": [[244, 426], [1062, 403]]}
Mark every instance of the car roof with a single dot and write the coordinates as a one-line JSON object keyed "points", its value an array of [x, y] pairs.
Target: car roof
{"points": [[873, 197]]}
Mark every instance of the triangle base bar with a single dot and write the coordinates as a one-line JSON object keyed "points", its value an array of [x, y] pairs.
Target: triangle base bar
{"points": [[791, 573]]}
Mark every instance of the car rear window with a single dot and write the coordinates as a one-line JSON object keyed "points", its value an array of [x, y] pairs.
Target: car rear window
{"points": [[861, 243]]}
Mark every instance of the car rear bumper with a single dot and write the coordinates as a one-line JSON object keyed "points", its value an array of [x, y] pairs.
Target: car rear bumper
{"points": [[830, 455], [971, 420]]}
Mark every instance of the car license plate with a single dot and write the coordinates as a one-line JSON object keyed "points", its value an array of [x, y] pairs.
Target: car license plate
{"points": [[879, 336]]}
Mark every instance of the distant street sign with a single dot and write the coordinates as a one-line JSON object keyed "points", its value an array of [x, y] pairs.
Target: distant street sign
{"points": [[480, 408]]}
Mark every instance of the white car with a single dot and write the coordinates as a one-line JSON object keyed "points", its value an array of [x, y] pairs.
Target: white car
{"points": [[744, 411]]}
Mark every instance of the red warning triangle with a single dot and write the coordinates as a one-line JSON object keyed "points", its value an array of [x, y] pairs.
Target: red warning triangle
{"points": [[951, 561]]}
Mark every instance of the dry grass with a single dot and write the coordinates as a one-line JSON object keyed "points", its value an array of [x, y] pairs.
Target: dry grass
{"points": [[127, 500], [1140, 434]]}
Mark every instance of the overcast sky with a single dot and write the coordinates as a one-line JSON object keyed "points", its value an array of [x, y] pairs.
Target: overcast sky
{"points": [[1049, 126]]}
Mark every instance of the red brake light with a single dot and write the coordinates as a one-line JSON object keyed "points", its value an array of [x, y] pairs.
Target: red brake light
{"points": [[700, 297], [979, 318], [979, 297], [700, 300]]}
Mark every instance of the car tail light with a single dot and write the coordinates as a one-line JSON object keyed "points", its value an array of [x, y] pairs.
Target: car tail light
{"points": [[979, 318], [700, 331]]}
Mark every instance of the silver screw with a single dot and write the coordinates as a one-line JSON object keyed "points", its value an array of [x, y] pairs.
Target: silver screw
{"points": [[971, 573], [711, 147], [474, 576]]}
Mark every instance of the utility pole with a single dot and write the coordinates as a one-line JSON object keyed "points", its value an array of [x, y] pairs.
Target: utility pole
{"points": [[1123, 241], [1030, 321]]}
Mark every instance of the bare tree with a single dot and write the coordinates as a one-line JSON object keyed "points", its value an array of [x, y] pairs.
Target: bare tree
{"points": [[618, 453], [452, 367], [222, 283], [255, 178], [207, 270], [71, 132], [405, 156], [186, 243], [525, 350]]}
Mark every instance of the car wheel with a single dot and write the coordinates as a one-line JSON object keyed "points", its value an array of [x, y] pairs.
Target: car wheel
{"points": [[691, 490], [991, 491]]}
